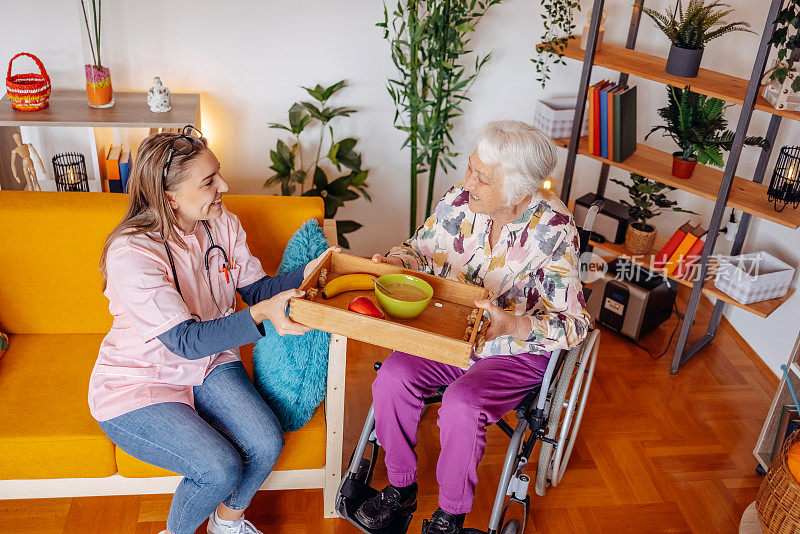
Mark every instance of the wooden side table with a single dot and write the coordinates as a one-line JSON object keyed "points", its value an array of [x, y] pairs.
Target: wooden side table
{"points": [[68, 107]]}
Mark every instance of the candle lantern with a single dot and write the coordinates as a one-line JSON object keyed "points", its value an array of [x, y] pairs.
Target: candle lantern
{"points": [[69, 170], [784, 188]]}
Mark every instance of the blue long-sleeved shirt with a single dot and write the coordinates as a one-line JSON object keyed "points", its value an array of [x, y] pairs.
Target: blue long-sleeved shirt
{"points": [[197, 339]]}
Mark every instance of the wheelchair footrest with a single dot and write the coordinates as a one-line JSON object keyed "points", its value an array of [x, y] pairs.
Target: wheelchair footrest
{"points": [[352, 494]]}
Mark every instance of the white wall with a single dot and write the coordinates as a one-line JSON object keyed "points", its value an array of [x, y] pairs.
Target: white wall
{"points": [[247, 59]]}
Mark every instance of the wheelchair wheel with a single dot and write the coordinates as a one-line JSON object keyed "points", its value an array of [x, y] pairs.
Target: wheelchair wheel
{"points": [[511, 527], [566, 412]]}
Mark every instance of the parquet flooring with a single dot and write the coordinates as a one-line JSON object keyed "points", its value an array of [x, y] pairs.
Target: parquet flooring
{"points": [[656, 453]]}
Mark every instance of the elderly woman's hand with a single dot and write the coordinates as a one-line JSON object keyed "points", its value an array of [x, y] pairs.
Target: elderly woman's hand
{"points": [[310, 266], [391, 260], [502, 323]]}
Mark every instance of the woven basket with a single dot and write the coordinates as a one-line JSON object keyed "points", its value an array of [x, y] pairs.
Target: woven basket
{"points": [[778, 501], [639, 242], [31, 91]]}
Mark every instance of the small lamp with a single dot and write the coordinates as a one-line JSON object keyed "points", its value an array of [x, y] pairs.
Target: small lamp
{"points": [[69, 170], [784, 187]]}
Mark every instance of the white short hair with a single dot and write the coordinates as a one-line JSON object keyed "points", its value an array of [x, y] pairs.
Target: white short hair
{"points": [[522, 154]]}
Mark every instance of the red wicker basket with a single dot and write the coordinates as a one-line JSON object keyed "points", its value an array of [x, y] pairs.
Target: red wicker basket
{"points": [[31, 91]]}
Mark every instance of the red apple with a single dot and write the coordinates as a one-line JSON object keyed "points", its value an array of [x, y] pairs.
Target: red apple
{"points": [[365, 306]]}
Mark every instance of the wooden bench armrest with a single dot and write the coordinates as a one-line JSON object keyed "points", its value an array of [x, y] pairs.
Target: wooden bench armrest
{"points": [[334, 422]]}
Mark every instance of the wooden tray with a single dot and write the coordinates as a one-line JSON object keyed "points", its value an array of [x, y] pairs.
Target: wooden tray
{"points": [[436, 334]]}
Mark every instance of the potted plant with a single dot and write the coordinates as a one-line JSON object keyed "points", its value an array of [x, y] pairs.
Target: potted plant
{"points": [[689, 30], [697, 125], [783, 82], [287, 162], [559, 26], [648, 200], [98, 77]]}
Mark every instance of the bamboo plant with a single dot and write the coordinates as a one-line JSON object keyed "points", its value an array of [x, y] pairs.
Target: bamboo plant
{"points": [[93, 30], [429, 41]]}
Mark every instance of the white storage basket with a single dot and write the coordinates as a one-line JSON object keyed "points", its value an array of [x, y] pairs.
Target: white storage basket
{"points": [[554, 116], [753, 277]]}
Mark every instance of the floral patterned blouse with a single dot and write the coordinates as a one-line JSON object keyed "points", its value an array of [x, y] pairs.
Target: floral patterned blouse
{"points": [[532, 270]]}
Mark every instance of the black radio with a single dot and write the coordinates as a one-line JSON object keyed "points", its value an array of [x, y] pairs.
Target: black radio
{"points": [[631, 299]]}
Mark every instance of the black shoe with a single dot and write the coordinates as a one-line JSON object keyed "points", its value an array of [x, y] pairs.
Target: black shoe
{"points": [[379, 511], [442, 522]]}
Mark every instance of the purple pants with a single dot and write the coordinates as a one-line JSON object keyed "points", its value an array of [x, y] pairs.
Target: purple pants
{"points": [[474, 399]]}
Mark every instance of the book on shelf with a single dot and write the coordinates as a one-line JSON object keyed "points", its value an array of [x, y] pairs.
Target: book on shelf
{"points": [[125, 168], [692, 256], [677, 257], [612, 120], [604, 119], [594, 109], [624, 128], [112, 169], [671, 244]]}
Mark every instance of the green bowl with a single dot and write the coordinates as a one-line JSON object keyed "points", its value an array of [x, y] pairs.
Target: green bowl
{"points": [[403, 309]]}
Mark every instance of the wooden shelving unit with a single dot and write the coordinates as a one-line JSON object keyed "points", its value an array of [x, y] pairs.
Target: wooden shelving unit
{"points": [[762, 309], [68, 107], [649, 67], [723, 187], [746, 195]]}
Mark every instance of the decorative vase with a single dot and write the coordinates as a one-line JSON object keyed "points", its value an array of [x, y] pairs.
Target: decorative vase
{"points": [[684, 62], [98, 86], [585, 38], [682, 168], [640, 241]]}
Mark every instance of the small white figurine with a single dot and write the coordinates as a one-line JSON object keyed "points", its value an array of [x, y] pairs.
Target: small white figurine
{"points": [[158, 97]]}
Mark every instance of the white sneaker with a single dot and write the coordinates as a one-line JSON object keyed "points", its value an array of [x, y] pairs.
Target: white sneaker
{"points": [[220, 526]]}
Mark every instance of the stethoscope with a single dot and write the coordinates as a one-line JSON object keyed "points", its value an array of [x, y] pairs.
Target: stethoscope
{"points": [[225, 269]]}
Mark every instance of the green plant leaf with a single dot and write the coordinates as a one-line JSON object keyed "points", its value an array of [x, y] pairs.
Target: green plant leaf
{"points": [[347, 227], [320, 179]]}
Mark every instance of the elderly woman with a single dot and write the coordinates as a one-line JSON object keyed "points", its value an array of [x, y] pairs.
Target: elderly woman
{"points": [[501, 230]]}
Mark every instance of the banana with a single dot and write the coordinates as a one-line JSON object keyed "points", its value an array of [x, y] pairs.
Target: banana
{"points": [[348, 282]]}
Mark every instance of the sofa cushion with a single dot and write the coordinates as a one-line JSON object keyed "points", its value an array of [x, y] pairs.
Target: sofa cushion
{"points": [[291, 371], [46, 429]]}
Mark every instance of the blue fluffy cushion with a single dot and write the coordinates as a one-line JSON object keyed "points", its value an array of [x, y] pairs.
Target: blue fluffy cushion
{"points": [[291, 371]]}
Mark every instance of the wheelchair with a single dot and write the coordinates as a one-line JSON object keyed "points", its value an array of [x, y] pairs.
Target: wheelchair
{"points": [[550, 412]]}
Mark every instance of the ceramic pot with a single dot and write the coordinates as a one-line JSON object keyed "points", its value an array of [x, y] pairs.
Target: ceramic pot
{"points": [[682, 168], [639, 238], [684, 62], [98, 86]]}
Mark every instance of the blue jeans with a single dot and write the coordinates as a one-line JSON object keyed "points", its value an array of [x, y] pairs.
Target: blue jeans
{"points": [[225, 450]]}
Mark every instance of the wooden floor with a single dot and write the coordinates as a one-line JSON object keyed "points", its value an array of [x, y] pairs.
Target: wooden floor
{"points": [[656, 453]]}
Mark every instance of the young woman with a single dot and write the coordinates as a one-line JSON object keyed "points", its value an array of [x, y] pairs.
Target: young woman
{"points": [[168, 386]]}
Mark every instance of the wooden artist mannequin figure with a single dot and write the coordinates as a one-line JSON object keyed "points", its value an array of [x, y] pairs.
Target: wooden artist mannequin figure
{"points": [[24, 151]]}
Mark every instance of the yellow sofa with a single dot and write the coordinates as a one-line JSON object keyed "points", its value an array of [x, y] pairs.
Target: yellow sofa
{"points": [[54, 312]]}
